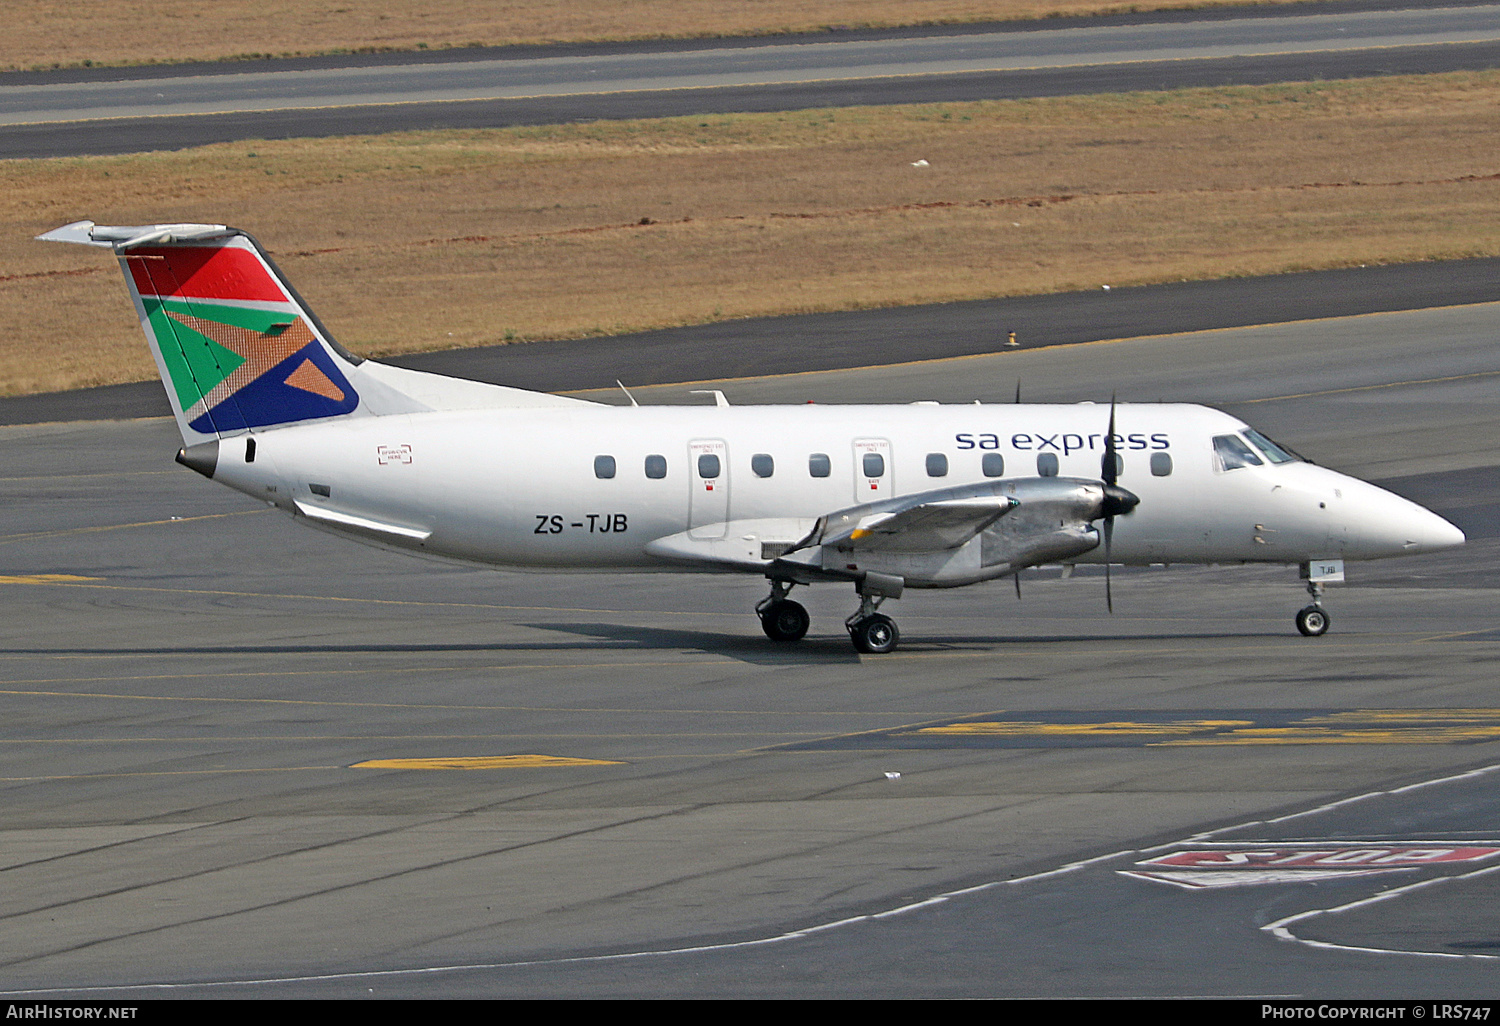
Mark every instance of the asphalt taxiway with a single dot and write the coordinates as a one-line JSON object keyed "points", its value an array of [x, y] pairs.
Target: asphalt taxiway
{"points": [[771, 64], [195, 688], [94, 111]]}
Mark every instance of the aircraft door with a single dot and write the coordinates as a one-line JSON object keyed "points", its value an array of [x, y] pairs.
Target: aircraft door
{"points": [[708, 506], [872, 469]]}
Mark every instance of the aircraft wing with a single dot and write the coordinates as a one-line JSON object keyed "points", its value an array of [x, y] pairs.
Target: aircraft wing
{"points": [[925, 522], [920, 523], [935, 539]]}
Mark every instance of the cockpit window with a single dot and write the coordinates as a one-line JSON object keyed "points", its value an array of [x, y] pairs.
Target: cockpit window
{"points": [[1231, 452], [1274, 452]]}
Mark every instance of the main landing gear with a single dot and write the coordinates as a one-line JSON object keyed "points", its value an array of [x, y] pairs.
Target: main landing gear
{"points": [[786, 621], [874, 633], [781, 618], [1313, 620]]}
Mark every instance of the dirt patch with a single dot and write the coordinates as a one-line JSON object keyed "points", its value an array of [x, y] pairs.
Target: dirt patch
{"points": [[442, 239], [65, 33]]}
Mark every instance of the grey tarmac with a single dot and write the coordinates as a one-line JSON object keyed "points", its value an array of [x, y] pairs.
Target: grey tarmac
{"points": [[191, 682]]}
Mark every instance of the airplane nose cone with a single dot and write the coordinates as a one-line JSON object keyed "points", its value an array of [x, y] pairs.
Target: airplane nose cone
{"points": [[1401, 528], [1425, 531], [1364, 521]]}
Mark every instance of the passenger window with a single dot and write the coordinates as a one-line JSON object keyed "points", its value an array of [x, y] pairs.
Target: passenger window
{"points": [[656, 467], [874, 464], [762, 464], [708, 465], [1161, 464], [993, 464], [818, 465], [1231, 453], [604, 466], [1046, 464], [1104, 464], [937, 464]]}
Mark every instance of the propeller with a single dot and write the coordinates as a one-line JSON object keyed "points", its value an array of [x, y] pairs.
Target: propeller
{"points": [[1117, 501], [1016, 577]]}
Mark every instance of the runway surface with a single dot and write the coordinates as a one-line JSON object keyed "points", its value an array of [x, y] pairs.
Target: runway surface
{"points": [[72, 114], [192, 683]]}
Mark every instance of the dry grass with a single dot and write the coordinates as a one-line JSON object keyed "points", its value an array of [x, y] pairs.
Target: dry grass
{"points": [[431, 240], [53, 33]]}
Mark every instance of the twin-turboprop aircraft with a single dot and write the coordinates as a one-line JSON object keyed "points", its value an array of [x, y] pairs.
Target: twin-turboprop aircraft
{"points": [[880, 497]]}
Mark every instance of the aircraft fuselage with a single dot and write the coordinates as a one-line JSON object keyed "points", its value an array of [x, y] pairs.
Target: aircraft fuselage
{"points": [[591, 487]]}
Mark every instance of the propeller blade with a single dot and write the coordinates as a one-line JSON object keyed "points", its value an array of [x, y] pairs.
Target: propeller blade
{"points": [[1109, 537], [1117, 501], [1017, 578], [1111, 467]]}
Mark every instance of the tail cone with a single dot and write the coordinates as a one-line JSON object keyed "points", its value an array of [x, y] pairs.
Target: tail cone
{"points": [[203, 457]]}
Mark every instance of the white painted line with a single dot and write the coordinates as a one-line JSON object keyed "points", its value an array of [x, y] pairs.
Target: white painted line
{"points": [[1277, 929], [1280, 929]]}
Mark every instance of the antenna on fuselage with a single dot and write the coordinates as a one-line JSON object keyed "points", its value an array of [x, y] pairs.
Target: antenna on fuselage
{"points": [[627, 392]]}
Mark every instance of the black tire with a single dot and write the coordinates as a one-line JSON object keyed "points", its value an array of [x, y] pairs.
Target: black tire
{"points": [[785, 621], [1312, 621], [875, 634]]}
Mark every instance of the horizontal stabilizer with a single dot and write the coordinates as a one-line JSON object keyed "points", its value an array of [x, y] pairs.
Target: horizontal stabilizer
{"points": [[124, 237]]}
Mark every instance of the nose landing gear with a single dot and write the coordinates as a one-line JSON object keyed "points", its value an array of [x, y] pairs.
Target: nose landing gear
{"points": [[1313, 620]]}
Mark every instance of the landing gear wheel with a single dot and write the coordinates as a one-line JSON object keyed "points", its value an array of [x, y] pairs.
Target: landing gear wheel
{"points": [[875, 634], [1312, 621], [784, 620]]}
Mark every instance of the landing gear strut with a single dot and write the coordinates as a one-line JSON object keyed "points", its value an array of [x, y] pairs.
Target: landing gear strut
{"points": [[872, 632], [782, 619], [1313, 620]]}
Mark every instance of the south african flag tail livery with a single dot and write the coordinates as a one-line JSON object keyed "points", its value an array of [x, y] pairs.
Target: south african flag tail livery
{"points": [[236, 346]]}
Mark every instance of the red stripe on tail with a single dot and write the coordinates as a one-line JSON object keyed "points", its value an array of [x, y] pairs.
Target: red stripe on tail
{"points": [[204, 272]]}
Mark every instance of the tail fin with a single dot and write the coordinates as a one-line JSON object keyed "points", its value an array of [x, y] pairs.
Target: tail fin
{"points": [[235, 344]]}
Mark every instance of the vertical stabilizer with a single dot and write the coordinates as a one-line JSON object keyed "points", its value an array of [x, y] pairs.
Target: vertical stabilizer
{"points": [[235, 345]]}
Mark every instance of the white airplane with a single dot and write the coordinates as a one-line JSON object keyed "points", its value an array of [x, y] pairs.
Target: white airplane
{"points": [[881, 497]]}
